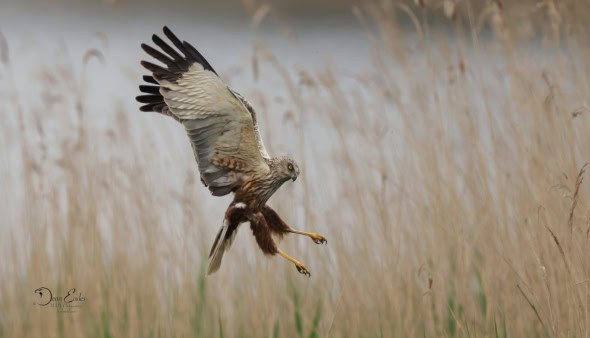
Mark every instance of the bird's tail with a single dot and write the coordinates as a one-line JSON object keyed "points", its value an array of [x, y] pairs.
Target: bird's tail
{"points": [[222, 242]]}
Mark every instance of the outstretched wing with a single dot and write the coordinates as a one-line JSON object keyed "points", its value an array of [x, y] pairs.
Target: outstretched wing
{"points": [[220, 124], [248, 106]]}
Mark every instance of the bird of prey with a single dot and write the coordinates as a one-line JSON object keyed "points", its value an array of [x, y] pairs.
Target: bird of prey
{"points": [[223, 132]]}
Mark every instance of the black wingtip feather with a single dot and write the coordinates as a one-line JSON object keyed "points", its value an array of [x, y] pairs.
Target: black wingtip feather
{"points": [[169, 33], [149, 108], [176, 63], [176, 66], [172, 37], [149, 89], [144, 46], [198, 56], [145, 109], [188, 50], [152, 67], [159, 72], [156, 54], [149, 98], [149, 79], [167, 49]]}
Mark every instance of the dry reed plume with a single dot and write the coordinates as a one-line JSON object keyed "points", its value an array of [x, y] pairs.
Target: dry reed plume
{"points": [[451, 186]]}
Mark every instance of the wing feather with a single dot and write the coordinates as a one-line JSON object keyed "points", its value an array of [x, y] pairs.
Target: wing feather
{"points": [[220, 124], [252, 112]]}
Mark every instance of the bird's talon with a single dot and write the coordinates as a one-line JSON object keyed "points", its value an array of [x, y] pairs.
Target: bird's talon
{"points": [[303, 270], [319, 239]]}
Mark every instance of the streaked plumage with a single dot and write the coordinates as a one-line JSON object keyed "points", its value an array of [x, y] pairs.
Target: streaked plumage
{"points": [[223, 132]]}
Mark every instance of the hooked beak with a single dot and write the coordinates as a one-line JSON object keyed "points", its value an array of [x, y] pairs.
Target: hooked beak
{"points": [[294, 178]]}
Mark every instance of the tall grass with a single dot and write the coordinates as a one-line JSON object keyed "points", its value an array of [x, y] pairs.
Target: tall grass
{"points": [[452, 193]]}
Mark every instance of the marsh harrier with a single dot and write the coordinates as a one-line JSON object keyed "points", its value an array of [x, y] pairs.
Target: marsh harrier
{"points": [[223, 132]]}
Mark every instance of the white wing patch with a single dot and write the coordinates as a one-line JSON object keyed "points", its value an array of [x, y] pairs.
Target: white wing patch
{"points": [[199, 93], [220, 128]]}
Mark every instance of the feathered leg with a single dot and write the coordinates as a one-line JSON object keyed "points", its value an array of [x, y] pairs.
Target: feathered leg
{"points": [[262, 233], [278, 226]]}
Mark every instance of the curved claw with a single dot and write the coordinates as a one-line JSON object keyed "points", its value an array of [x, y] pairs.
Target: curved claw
{"points": [[303, 270], [319, 239]]}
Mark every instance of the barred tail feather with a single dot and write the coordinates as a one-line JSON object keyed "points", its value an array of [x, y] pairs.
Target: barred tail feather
{"points": [[223, 240], [218, 249]]}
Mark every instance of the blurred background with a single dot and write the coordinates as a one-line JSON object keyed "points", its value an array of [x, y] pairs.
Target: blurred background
{"points": [[442, 144]]}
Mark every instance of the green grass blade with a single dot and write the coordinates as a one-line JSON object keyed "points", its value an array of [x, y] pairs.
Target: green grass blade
{"points": [[298, 317], [496, 327], [276, 330], [316, 322]]}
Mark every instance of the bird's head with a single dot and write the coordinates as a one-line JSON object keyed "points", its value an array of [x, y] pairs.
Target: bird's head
{"points": [[285, 168]]}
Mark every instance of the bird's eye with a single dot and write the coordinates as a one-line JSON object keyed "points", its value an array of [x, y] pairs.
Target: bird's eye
{"points": [[290, 167]]}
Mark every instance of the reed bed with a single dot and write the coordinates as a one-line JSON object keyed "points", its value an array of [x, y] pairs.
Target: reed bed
{"points": [[450, 181]]}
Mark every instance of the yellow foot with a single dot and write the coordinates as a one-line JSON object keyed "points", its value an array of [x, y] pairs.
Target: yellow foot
{"points": [[302, 269], [317, 238]]}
